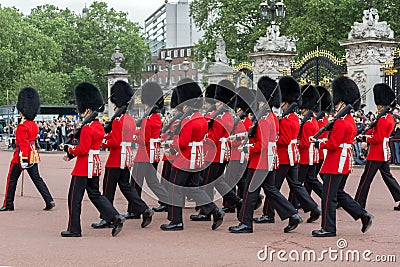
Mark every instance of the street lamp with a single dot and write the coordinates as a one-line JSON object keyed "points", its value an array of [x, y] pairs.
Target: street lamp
{"points": [[185, 66], [277, 9], [168, 60]]}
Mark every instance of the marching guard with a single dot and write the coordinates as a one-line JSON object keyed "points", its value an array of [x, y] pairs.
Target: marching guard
{"points": [[309, 156], [288, 153], [189, 160], [263, 161], [149, 144], [338, 162], [120, 159], [26, 155], [87, 170], [379, 152]]}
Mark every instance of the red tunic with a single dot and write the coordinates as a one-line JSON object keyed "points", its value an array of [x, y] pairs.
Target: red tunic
{"points": [[123, 129], [25, 140], [310, 128], [343, 132], [241, 127], [380, 139], [321, 123], [264, 137], [193, 129], [150, 129], [289, 127], [221, 127], [90, 139]]}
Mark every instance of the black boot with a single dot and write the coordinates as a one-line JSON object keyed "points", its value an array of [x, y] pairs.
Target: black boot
{"points": [[294, 221], [172, 227], [314, 215], [147, 216], [200, 217], [161, 208], [366, 220], [322, 233], [397, 207], [50, 205], [241, 228], [70, 234], [102, 224], [264, 219], [131, 215], [218, 217], [117, 222], [6, 208]]}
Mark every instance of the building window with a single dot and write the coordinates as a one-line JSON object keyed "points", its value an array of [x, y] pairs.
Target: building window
{"points": [[173, 79], [175, 53], [160, 80], [179, 78], [162, 54], [179, 66], [160, 67], [194, 77], [169, 53], [173, 67], [189, 52], [193, 66], [182, 52]]}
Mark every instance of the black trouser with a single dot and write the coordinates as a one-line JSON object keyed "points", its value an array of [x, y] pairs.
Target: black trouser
{"points": [[233, 175], [166, 172], [12, 179], [332, 194], [214, 174], [184, 182], [308, 178], [254, 181], [291, 174], [149, 170], [75, 195], [371, 168], [114, 176]]}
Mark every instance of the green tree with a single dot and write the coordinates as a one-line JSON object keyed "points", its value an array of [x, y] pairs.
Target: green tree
{"points": [[79, 74], [322, 23], [50, 86], [23, 49]]}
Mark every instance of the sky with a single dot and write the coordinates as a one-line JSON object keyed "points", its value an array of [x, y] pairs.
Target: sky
{"points": [[138, 10]]}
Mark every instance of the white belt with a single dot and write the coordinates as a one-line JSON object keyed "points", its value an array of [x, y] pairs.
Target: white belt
{"points": [[124, 145], [311, 154], [91, 161], [153, 149], [343, 156], [386, 149], [291, 152], [271, 155], [325, 152], [197, 148], [167, 142], [240, 135], [224, 149]]}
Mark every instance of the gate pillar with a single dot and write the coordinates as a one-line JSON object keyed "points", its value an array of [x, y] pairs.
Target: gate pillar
{"points": [[370, 45]]}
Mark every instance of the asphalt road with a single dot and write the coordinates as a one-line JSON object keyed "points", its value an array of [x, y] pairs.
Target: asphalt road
{"points": [[31, 237]]}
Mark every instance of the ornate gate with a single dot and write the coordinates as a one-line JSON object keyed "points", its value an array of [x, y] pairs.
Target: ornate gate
{"points": [[318, 67], [391, 72], [243, 75]]}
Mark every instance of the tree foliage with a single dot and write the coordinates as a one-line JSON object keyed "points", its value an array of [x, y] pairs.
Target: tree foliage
{"points": [[65, 47], [322, 23]]}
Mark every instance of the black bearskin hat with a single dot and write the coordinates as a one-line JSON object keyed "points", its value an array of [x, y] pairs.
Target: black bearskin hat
{"points": [[152, 94], [88, 97], [225, 93], [290, 90], [28, 103], [188, 89], [121, 93], [174, 99], [346, 90], [210, 92], [244, 98], [267, 86], [384, 95], [326, 100], [310, 97]]}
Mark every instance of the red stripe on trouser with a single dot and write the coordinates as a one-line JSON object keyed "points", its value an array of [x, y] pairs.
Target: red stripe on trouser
{"points": [[363, 183], [265, 211], [172, 199], [247, 195], [107, 178], [208, 175], [326, 200], [7, 184], [70, 204]]}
